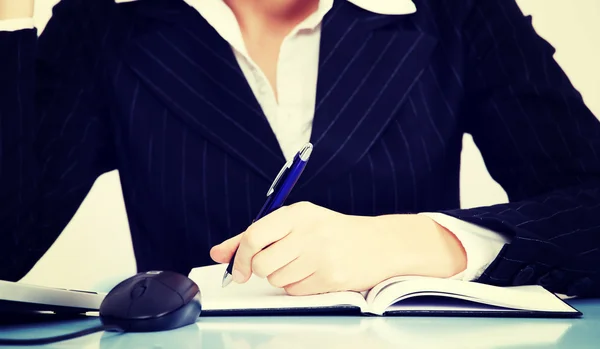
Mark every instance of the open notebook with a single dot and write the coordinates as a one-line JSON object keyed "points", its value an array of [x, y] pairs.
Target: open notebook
{"points": [[396, 296]]}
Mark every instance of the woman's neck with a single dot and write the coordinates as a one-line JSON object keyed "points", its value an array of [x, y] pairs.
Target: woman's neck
{"points": [[264, 25], [278, 17]]}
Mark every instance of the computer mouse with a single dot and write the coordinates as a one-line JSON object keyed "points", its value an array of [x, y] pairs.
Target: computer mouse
{"points": [[152, 301]]}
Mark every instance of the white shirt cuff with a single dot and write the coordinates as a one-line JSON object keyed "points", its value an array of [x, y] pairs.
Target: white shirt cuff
{"points": [[12, 25], [481, 244]]}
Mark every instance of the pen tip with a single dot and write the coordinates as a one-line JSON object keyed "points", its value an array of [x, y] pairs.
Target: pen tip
{"points": [[226, 280]]}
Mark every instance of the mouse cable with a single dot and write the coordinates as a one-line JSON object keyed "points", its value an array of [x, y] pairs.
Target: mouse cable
{"points": [[64, 337]]}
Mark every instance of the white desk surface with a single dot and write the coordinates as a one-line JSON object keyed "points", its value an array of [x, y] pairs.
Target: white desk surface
{"points": [[341, 332]]}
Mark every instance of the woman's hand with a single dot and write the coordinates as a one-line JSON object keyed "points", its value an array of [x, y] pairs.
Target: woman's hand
{"points": [[307, 249], [12, 9]]}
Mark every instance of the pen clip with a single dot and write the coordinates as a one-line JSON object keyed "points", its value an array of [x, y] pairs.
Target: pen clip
{"points": [[278, 178]]}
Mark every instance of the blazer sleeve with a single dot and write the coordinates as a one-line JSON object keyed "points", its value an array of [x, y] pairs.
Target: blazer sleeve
{"points": [[541, 143], [54, 140]]}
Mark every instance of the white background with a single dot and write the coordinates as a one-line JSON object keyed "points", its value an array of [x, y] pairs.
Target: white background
{"points": [[94, 251]]}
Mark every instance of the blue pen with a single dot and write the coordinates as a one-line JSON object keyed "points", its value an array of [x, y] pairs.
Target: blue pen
{"points": [[277, 194]]}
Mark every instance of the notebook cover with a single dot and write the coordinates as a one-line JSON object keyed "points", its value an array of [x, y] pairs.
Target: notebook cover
{"points": [[484, 313], [320, 311]]}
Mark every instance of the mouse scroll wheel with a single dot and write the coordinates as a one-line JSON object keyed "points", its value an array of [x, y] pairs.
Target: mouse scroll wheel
{"points": [[138, 290]]}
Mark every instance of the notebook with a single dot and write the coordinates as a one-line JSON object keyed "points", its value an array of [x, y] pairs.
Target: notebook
{"points": [[395, 296]]}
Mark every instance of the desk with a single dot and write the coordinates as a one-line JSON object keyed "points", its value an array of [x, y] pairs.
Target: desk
{"points": [[339, 332]]}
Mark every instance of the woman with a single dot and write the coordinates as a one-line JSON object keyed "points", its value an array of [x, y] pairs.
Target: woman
{"points": [[199, 103]]}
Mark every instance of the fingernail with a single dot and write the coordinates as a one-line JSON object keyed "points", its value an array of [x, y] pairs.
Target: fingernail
{"points": [[238, 276]]}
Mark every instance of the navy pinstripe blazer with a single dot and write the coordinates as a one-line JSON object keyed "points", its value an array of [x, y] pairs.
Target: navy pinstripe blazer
{"points": [[150, 89]]}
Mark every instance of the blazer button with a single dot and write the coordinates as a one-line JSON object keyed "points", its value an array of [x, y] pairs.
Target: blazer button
{"points": [[581, 287], [524, 276], [551, 278]]}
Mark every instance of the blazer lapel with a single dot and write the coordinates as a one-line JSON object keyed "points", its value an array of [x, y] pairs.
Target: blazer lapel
{"points": [[368, 65], [184, 61]]}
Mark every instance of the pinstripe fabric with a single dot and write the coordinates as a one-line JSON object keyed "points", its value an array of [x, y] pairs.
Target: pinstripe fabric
{"points": [[150, 89]]}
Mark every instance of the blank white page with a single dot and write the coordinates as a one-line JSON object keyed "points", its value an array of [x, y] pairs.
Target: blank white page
{"points": [[533, 298], [258, 294]]}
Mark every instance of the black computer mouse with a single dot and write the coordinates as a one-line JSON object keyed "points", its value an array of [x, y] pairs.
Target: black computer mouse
{"points": [[152, 301]]}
